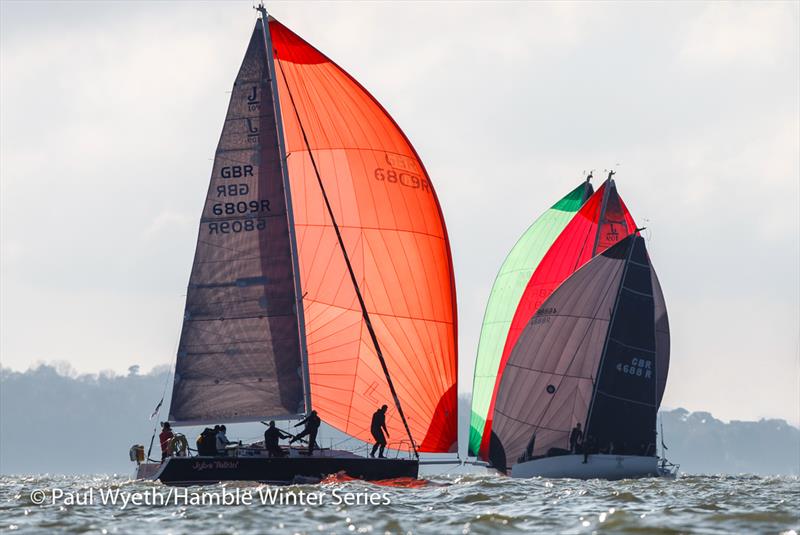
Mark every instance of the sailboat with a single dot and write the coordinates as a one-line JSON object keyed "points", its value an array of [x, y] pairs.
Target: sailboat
{"points": [[322, 278], [572, 322]]}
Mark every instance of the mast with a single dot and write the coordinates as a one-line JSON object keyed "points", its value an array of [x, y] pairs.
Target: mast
{"points": [[353, 278], [602, 211], [301, 323]]}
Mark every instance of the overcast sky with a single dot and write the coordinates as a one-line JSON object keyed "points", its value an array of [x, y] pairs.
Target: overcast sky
{"points": [[110, 114]]}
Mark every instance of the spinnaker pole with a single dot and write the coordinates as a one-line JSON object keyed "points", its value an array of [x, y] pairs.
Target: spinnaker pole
{"points": [[287, 191]]}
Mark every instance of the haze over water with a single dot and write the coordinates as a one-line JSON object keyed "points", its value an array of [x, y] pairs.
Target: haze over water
{"points": [[444, 504]]}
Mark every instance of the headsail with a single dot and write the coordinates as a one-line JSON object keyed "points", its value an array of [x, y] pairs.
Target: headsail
{"points": [[601, 222], [394, 233], [597, 327], [508, 287], [239, 356]]}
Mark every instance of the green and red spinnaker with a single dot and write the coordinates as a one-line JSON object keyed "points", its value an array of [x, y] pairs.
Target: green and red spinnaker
{"points": [[600, 223], [508, 287]]}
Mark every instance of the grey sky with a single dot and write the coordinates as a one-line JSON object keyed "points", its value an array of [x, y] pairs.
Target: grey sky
{"points": [[110, 113]]}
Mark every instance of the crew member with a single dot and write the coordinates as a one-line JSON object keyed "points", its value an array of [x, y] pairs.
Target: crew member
{"points": [[377, 429], [272, 436], [575, 438], [166, 439], [222, 440], [311, 422]]}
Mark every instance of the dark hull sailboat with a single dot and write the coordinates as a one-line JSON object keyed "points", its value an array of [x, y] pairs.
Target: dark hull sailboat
{"points": [[322, 277], [202, 470]]}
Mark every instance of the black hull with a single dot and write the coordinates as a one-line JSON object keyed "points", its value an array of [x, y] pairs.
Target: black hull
{"points": [[284, 470]]}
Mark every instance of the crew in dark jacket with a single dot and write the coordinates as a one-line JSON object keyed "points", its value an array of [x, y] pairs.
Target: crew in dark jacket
{"points": [[575, 438], [272, 437], [377, 429], [311, 422]]}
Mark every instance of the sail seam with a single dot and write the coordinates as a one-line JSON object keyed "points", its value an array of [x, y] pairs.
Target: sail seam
{"points": [[616, 341], [606, 394], [557, 374]]}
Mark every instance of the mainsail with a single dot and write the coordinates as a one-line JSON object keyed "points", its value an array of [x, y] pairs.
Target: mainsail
{"points": [[601, 222], [508, 287], [588, 356], [274, 323], [394, 234], [240, 351]]}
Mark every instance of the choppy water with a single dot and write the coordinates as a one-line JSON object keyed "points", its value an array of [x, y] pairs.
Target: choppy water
{"points": [[444, 504]]}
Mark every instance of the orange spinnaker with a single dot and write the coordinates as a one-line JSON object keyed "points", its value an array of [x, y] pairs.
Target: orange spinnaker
{"points": [[396, 238]]}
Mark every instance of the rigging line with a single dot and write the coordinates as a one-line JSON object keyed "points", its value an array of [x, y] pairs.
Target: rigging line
{"points": [[362, 227], [269, 65], [157, 410], [367, 321]]}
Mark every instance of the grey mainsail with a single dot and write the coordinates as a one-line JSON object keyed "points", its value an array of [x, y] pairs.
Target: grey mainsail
{"points": [[240, 351]]}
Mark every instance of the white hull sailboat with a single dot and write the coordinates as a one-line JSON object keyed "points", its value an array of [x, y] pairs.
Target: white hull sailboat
{"points": [[585, 355]]}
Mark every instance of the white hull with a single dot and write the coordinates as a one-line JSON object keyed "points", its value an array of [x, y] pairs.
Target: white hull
{"points": [[598, 466]]}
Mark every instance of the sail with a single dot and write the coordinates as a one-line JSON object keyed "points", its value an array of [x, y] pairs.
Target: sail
{"points": [[662, 338], [599, 325], [601, 222], [504, 298], [622, 415], [239, 355], [395, 236]]}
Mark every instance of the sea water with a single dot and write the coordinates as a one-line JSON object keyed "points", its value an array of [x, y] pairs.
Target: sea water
{"points": [[445, 503]]}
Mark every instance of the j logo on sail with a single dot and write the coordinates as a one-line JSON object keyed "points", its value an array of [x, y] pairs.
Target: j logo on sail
{"points": [[252, 131], [252, 100]]}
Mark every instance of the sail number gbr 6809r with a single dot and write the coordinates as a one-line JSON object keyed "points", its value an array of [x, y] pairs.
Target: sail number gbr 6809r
{"points": [[249, 209]]}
